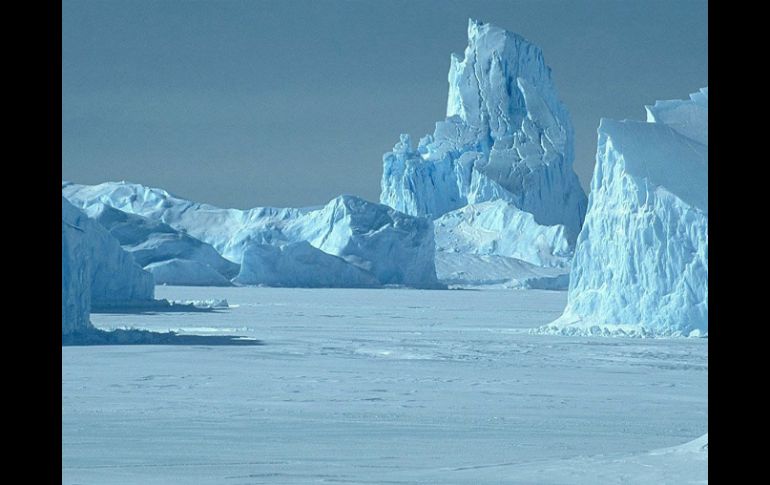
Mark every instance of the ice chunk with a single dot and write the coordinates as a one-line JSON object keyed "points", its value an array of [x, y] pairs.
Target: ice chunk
{"points": [[211, 303]]}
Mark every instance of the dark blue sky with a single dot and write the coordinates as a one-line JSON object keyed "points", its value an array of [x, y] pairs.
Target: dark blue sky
{"points": [[290, 103]]}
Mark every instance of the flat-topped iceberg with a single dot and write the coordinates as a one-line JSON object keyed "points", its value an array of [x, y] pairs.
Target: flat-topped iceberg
{"points": [[641, 260]]}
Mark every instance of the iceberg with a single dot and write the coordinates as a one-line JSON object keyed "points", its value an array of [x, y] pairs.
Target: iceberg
{"points": [[174, 258], [95, 270], [499, 228], [396, 248], [506, 136], [641, 260], [299, 265]]}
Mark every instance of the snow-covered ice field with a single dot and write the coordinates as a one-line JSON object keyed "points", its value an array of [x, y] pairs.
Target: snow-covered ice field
{"points": [[381, 386]]}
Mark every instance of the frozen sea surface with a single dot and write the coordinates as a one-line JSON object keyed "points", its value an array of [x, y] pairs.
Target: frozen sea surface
{"points": [[380, 386]]}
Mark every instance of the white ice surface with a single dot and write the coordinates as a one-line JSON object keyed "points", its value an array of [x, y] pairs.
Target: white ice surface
{"points": [[380, 386]]}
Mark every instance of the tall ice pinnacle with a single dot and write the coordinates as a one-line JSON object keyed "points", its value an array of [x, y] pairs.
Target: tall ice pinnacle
{"points": [[506, 136]]}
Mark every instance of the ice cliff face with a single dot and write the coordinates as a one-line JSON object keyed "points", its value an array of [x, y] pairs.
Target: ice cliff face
{"points": [[75, 271], [506, 136], [95, 269], [641, 260], [172, 256], [393, 247]]}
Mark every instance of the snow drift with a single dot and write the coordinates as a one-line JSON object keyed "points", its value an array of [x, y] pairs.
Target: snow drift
{"points": [[641, 260], [395, 248]]}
